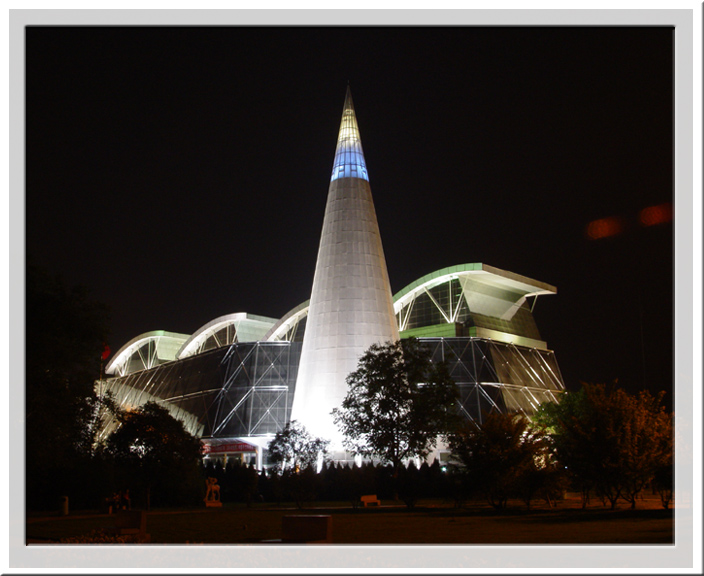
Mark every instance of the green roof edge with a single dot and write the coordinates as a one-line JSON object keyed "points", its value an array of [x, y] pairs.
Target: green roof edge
{"points": [[442, 272]]}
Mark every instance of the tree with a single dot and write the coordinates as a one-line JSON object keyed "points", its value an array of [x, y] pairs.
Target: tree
{"points": [[646, 435], [663, 481], [65, 332], [502, 457], [295, 449], [398, 403], [610, 441], [296, 455], [156, 457]]}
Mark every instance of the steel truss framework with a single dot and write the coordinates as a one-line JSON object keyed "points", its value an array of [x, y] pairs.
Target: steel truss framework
{"points": [[240, 390], [246, 389], [446, 303], [255, 394], [146, 351], [496, 376], [226, 330]]}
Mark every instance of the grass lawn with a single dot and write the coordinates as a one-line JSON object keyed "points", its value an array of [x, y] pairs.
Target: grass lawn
{"points": [[431, 522]]}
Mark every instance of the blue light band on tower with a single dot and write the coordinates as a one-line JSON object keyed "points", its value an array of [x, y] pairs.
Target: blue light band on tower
{"points": [[349, 164], [349, 158]]}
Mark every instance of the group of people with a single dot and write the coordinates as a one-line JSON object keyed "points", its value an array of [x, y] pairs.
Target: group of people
{"points": [[120, 501]]}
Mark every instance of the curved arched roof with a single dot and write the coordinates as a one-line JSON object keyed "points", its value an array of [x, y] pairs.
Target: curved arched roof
{"points": [[238, 327], [489, 290], [146, 351], [283, 327]]}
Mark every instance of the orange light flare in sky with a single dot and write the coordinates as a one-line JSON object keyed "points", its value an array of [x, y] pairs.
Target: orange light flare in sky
{"points": [[604, 227], [614, 225], [653, 215]]}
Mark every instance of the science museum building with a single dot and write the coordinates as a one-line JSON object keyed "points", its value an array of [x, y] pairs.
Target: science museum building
{"points": [[240, 378]]}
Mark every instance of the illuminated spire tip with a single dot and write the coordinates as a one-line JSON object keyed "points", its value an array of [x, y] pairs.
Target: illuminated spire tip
{"points": [[349, 157]]}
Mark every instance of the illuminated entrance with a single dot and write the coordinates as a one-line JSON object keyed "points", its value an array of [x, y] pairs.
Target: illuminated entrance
{"points": [[227, 450]]}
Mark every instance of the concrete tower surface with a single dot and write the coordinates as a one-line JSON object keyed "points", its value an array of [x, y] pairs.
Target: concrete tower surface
{"points": [[351, 304]]}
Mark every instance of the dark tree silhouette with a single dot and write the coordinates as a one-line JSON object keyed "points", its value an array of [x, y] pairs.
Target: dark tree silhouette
{"points": [[503, 457], [663, 481], [156, 458], [609, 440], [65, 336], [398, 403]]}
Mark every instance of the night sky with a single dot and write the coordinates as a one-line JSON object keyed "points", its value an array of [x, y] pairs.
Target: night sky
{"points": [[181, 173]]}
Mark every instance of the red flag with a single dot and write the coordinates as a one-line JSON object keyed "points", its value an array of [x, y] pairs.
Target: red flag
{"points": [[106, 352]]}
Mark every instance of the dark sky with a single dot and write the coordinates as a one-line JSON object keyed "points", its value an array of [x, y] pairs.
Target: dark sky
{"points": [[181, 173]]}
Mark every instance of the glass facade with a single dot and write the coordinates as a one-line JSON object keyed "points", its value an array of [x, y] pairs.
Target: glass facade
{"points": [[496, 376], [446, 303], [238, 390], [436, 305], [236, 376], [227, 389], [257, 390], [246, 390], [522, 323]]}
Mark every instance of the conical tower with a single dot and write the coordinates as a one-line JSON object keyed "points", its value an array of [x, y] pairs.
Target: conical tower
{"points": [[351, 305]]}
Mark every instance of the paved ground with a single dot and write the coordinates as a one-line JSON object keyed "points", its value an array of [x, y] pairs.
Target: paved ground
{"points": [[431, 522]]}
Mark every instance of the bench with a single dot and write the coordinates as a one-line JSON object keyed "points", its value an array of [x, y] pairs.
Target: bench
{"points": [[370, 500], [131, 523], [313, 529]]}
